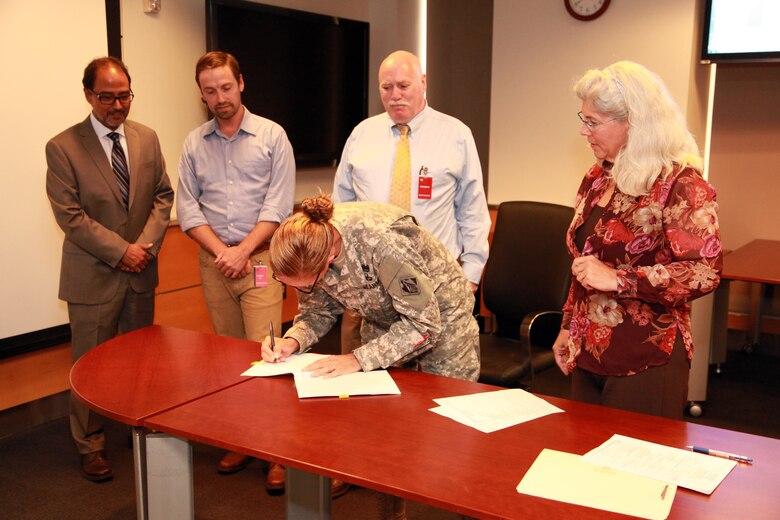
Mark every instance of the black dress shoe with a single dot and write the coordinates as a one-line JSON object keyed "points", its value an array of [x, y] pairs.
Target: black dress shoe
{"points": [[95, 467]]}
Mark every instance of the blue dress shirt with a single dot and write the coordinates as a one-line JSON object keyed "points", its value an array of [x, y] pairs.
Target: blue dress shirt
{"points": [[231, 184]]}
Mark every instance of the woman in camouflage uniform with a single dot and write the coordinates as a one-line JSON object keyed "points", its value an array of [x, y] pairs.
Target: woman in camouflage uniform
{"points": [[373, 258]]}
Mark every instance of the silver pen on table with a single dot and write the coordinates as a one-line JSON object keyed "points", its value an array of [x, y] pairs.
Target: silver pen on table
{"points": [[721, 454]]}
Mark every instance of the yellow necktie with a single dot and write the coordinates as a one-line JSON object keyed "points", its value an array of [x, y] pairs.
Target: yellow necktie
{"points": [[401, 187]]}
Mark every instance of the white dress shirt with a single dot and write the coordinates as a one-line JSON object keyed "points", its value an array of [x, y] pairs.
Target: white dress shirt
{"points": [[442, 148]]}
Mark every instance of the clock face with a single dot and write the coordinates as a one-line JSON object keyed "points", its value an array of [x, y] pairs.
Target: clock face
{"points": [[586, 9]]}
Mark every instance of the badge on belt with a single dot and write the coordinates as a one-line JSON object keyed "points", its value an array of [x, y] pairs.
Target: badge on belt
{"points": [[261, 275]]}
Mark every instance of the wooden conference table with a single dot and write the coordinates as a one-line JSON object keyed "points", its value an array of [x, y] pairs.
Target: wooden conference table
{"points": [[757, 261], [184, 385]]}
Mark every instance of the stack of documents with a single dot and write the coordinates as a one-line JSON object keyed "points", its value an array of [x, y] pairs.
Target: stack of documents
{"points": [[491, 411], [684, 468], [377, 382], [624, 475], [566, 477]]}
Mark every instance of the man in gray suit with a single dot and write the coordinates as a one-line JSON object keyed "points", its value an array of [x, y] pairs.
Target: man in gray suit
{"points": [[110, 194]]}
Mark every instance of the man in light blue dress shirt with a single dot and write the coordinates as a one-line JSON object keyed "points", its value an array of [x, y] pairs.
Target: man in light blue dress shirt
{"points": [[236, 184], [447, 196]]}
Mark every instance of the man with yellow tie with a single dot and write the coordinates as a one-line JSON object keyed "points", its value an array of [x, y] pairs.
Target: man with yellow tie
{"points": [[426, 163], [421, 160]]}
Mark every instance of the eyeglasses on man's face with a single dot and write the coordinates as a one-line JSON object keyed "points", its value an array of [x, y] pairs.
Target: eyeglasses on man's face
{"points": [[592, 124], [304, 290], [108, 98]]}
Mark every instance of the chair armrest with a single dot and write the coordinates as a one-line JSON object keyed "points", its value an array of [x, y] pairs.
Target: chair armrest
{"points": [[541, 328]]}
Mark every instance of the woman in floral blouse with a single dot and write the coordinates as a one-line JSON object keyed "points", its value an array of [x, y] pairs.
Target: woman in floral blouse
{"points": [[645, 242]]}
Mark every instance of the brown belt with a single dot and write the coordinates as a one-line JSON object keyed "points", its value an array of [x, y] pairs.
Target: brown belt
{"points": [[259, 249]]}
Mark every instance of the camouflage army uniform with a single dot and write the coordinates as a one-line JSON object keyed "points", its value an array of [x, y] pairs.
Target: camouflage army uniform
{"points": [[415, 301]]}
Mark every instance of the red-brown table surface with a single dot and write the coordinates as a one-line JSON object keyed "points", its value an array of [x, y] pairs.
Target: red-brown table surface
{"points": [[156, 368], [394, 444], [756, 261]]}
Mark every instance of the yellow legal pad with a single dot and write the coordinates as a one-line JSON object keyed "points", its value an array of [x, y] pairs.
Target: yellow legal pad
{"points": [[565, 477]]}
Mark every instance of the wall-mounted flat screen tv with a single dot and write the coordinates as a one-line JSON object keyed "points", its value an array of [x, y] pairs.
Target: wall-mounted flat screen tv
{"points": [[741, 30], [308, 72]]}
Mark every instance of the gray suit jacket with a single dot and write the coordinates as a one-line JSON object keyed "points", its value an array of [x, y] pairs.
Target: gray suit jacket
{"points": [[88, 207]]}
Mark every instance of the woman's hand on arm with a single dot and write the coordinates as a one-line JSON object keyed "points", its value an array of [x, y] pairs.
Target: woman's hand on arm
{"points": [[333, 366], [592, 273], [561, 351]]}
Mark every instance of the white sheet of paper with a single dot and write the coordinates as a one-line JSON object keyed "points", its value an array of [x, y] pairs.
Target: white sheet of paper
{"points": [[292, 365], [491, 411], [376, 382], [566, 477], [690, 470]]}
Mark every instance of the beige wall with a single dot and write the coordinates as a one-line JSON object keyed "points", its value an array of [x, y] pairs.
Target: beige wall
{"points": [[44, 46], [745, 157], [160, 51], [539, 51]]}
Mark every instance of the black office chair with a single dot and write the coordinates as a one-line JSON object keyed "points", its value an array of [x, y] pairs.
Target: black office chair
{"points": [[525, 284]]}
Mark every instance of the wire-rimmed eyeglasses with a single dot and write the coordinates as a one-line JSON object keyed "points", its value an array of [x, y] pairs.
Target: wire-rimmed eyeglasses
{"points": [[304, 290], [108, 98], [590, 123]]}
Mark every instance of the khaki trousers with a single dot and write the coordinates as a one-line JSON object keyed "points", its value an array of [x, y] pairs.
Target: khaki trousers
{"points": [[237, 308]]}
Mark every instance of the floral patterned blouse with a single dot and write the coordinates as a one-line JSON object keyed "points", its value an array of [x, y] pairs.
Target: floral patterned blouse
{"points": [[666, 248]]}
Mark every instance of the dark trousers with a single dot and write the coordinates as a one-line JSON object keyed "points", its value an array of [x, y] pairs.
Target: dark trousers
{"points": [[661, 390], [90, 326]]}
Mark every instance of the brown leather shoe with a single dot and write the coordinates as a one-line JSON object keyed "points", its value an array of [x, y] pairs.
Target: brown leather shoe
{"points": [[338, 488], [95, 467], [233, 462], [274, 481]]}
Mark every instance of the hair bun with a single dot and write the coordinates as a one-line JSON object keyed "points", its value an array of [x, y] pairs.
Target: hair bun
{"points": [[318, 209]]}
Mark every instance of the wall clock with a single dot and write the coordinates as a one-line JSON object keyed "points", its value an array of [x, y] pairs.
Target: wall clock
{"points": [[586, 10]]}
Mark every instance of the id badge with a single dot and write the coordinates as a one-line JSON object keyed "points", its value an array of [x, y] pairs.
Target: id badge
{"points": [[424, 187], [261, 276]]}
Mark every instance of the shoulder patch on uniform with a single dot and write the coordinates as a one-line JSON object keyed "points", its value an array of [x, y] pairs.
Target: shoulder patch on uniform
{"points": [[410, 286]]}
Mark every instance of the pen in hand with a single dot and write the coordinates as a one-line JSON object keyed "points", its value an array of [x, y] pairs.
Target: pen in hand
{"points": [[721, 454], [273, 342]]}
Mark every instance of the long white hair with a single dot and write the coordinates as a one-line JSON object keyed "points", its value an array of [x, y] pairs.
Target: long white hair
{"points": [[658, 136]]}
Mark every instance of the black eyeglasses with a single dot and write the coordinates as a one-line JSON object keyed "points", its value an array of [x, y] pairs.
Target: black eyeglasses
{"points": [[590, 123], [109, 99], [304, 290]]}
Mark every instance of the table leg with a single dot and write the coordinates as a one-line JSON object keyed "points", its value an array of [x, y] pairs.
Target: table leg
{"points": [[720, 324], [756, 312], [307, 495], [139, 465], [702, 318], [169, 478]]}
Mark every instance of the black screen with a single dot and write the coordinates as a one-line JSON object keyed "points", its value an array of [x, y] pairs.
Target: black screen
{"points": [[308, 72]]}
